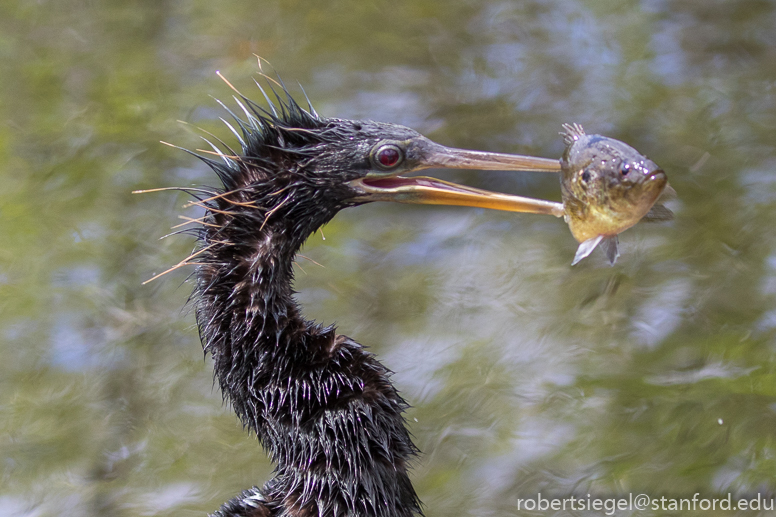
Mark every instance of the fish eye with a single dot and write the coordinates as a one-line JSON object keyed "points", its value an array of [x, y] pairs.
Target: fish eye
{"points": [[586, 176], [625, 168], [388, 156]]}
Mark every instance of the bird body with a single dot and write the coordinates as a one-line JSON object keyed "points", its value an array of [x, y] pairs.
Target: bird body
{"points": [[323, 407]]}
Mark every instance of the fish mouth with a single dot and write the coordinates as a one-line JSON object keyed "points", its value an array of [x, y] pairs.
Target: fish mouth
{"points": [[431, 191], [658, 175], [657, 181]]}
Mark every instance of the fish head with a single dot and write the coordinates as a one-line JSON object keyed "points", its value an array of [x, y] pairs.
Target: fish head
{"points": [[607, 186]]}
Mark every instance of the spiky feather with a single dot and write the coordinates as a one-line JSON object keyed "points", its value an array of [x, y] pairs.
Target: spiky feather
{"points": [[323, 408]]}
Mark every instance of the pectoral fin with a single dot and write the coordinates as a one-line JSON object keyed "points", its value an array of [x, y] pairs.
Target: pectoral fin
{"points": [[586, 248], [668, 194], [658, 213], [611, 246]]}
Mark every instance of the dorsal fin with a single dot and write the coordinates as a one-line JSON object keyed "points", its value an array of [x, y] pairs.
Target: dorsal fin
{"points": [[571, 133]]}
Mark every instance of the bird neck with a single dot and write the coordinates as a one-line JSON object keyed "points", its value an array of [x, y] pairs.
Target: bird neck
{"points": [[323, 408], [248, 319]]}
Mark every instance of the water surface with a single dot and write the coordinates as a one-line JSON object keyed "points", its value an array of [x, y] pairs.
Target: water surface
{"points": [[526, 375]]}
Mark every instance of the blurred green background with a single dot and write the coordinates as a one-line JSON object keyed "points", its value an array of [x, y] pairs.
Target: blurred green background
{"points": [[526, 375]]}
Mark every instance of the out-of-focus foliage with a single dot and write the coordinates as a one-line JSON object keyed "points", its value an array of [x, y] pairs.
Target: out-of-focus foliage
{"points": [[527, 375]]}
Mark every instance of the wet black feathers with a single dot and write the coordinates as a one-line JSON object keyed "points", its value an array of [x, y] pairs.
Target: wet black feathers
{"points": [[323, 408]]}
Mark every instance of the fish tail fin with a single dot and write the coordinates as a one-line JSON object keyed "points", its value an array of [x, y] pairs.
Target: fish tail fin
{"points": [[571, 133], [586, 248], [611, 246]]}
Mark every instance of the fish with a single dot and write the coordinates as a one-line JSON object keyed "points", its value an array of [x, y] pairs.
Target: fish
{"points": [[607, 186]]}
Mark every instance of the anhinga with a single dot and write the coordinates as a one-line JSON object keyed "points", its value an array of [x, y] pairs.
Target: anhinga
{"points": [[324, 409]]}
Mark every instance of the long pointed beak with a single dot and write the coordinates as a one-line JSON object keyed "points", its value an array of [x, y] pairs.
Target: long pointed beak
{"points": [[432, 191], [440, 157]]}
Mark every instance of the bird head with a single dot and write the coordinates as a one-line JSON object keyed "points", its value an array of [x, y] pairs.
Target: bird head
{"points": [[299, 167]]}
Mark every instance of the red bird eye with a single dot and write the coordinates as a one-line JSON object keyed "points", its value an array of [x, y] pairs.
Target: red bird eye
{"points": [[389, 156]]}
